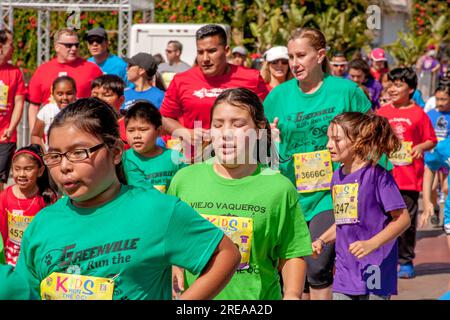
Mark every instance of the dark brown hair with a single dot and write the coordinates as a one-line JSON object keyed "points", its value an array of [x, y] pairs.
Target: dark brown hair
{"points": [[371, 135], [95, 117], [248, 100]]}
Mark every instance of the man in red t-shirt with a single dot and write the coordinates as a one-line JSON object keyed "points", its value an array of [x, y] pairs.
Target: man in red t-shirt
{"points": [[12, 96], [66, 63], [414, 129], [191, 94]]}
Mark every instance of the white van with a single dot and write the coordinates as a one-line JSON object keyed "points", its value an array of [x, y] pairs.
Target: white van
{"points": [[153, 38]]}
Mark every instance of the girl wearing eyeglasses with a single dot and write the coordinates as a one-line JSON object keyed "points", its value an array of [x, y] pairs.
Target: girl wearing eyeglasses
{"points": [[21, 202], [106, 240]]}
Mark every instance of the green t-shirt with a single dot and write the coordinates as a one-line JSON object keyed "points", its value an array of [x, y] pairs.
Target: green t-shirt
{"points": [[135, 239], [279, 228], [158, 171], [12, 285], [2, 252], [303, 124]]}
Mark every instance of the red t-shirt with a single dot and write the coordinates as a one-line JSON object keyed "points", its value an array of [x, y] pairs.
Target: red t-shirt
{"points": [[82, 71], [123, 133], [191, 95], [11, 85], [377, 74], [15, 216], [410, 125]]}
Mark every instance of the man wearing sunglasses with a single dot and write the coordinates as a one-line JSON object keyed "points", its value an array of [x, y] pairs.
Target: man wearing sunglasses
{"points": [[97, 40], [67, 62], [174, 64]]}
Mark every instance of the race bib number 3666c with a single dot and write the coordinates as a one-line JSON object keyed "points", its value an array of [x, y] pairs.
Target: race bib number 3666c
{"points": [[313, 171], [345, 203], [239, 230], [61, 286]]}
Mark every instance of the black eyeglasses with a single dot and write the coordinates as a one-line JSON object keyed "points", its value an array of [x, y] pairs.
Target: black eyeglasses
{"points": [[96, 40], [77, 155], [70, 45]]}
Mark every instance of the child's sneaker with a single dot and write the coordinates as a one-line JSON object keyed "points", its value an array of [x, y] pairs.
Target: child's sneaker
{"points": [[406, 271]]}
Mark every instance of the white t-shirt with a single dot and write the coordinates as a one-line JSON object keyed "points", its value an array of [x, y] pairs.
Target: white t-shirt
{"points": [[47, 114], [430, 105]]}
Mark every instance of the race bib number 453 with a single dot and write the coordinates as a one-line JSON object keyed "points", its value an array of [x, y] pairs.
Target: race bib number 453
{"points": [[313, 171], [345, 203], [61, 286], [239, 230]]}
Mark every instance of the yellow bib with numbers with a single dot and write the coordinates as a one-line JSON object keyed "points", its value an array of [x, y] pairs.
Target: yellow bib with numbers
{"points": [[61, 286], [239, 230], [313, 171], [403, 156], [4, 89], [345, 203], [17, 224]]}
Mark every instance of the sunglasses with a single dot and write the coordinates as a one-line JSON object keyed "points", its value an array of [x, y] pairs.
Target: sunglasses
{"points": [[283, 62], [69, 45], [96, 40]]}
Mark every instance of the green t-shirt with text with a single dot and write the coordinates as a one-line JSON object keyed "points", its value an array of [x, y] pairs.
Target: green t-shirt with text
{"points": [[133, 240], [158, 171], [303, 124], [267, 199]]}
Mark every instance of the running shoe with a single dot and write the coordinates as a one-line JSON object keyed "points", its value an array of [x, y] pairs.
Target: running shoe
{"points": [[406, 271]]}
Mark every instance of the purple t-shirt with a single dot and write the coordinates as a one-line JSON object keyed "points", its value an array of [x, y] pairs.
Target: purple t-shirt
{"points": [[373, 191]]}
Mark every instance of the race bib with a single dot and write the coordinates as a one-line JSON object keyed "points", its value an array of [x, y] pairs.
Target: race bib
{"points": [[160, 188], [175, 144], [345, 203], [62, 286], [239, 230], [17, 224], [313, 171], [4, 89], [403, 156]]}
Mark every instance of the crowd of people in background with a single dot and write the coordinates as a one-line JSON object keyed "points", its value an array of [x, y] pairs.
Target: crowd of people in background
{"points": [[115, 191]]}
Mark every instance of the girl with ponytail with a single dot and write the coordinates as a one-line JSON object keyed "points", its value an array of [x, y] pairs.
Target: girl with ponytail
{"points": [[369, 210], [20, 202]]}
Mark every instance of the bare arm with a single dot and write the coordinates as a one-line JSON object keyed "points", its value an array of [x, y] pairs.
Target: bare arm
{"points": [[32, 113], [216, 274], [400, 222], [15, 117], [293, 272], [428, 207], [38, 133], [418, 150]]}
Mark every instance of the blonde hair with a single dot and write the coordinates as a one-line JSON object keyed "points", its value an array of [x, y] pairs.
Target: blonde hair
{"points": [[265, 72], [317, 41], [64, 31]]}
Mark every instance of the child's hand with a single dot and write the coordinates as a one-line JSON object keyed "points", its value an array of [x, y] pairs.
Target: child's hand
{"points": [[177, 281], [360, 249], [317, 247], [428, 211], [417, 152], [275, 132]]}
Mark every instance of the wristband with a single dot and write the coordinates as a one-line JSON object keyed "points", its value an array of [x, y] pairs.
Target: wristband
{"points": [[324, 244]]}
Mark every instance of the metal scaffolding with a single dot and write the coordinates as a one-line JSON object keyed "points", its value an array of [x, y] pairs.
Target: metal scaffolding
{"points": [[123, 7]]}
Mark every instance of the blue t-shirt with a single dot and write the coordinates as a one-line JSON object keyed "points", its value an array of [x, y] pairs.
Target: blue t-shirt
{"points": [[440, 157], [153, 95], [441, 123], [113, 65], [417, 98]]}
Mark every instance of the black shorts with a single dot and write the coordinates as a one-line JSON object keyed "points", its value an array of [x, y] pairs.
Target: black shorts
{"points": [[319, 273], [6, 154]]}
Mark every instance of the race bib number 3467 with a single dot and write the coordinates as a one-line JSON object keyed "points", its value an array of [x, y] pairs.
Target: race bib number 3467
{"points": [[313, 171]]}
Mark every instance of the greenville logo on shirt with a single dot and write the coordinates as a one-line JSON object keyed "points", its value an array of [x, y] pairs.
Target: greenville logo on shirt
{"points": [[208, 93]]}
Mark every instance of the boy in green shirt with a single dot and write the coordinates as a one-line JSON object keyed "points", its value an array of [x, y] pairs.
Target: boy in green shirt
{"points": [[146, 163]]}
